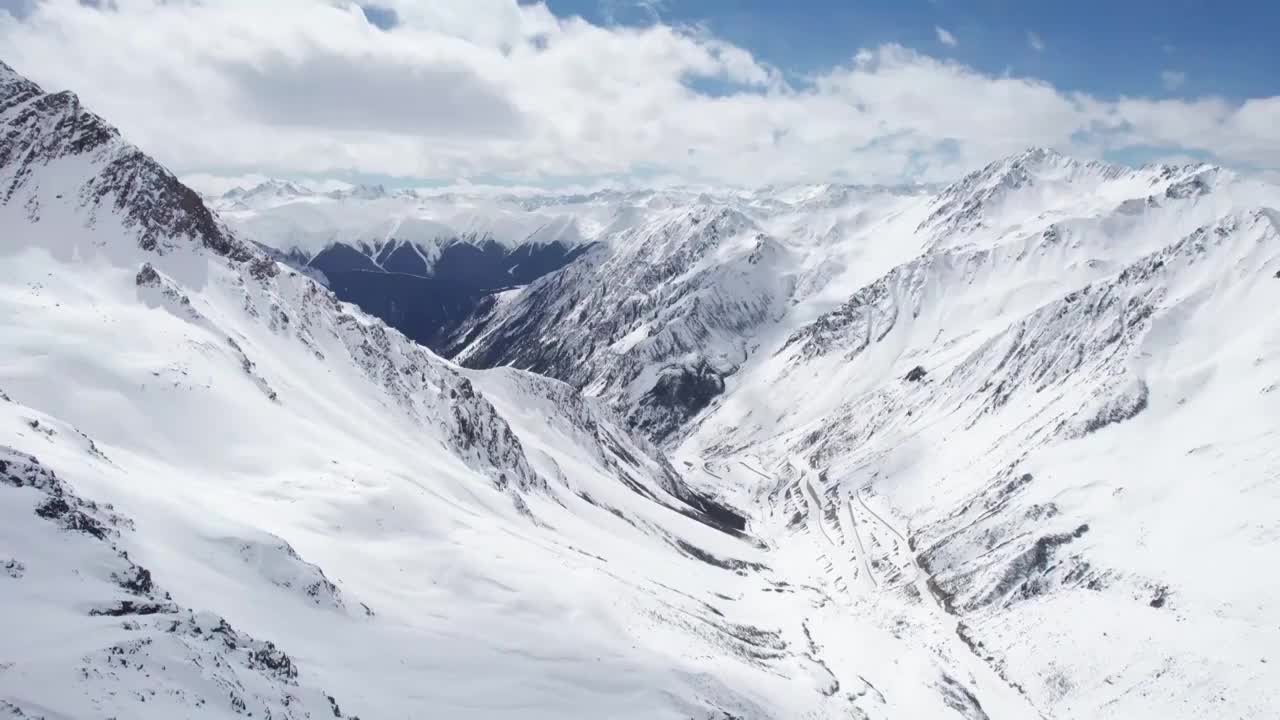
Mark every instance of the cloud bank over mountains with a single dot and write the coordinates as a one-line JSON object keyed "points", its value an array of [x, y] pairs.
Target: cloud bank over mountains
{"points": [[495, 91]]}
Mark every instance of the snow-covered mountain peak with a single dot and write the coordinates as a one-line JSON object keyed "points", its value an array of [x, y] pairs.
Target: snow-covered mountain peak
{"points": [[829, 196], [83, 164], [364, 192], [1038, 170], [1041, 160], [84, 190], [268, 193], [275, 192], [687, 231], [1040, 185], [12, 83]]}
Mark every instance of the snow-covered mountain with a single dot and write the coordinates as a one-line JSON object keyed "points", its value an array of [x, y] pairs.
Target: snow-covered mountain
{"points": [[1041, 398], [428, 262], [671, 303], [1004, 449], [658, 315], [228, 493], [675, 296], [1061, 415]]}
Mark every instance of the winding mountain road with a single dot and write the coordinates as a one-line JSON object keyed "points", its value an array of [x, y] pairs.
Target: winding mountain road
{"points": [[985, 678], [906, 546], [816, 509], [862, 550]]}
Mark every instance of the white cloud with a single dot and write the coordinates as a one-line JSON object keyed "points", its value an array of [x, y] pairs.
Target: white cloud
{"points": [[496, 91], [945, 37], [1035, 41], [615, 11], [1172, 79], [1270, 176]]}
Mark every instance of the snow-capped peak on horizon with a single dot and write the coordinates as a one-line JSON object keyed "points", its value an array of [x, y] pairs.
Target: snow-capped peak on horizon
{"points": [[1049, 164], [1043, 181], [280, 191], [368, 192], [272, 189], [1044, 163]]}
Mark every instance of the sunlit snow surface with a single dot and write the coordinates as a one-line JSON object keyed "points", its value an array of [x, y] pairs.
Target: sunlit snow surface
{"points": [[1072, 513]]}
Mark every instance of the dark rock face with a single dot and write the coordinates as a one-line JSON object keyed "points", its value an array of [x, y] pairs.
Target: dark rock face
{"points": [[1119, 409], [128, 607], [718, 516], [917, 374], [59, 504], [430, 303], [680, 393]]}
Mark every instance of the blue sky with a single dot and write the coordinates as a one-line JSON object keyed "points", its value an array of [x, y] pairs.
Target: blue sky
{"points": [[1105, 47], [1108, 48], [589, 92]]}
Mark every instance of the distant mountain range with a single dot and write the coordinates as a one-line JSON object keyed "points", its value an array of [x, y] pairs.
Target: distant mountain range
{"points": [[419, 264]]}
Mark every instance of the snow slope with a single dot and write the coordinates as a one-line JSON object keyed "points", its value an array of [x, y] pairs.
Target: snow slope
{"points": [[678, 294], [1062, 415], [1035, 408], [226, 493]]}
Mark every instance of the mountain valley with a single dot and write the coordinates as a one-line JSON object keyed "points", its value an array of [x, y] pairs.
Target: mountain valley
{"points": [[1003, 448]]}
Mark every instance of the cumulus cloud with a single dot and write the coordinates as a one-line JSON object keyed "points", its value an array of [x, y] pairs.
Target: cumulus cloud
{"points": [[945, 37], [326, 89], [496, 90]]}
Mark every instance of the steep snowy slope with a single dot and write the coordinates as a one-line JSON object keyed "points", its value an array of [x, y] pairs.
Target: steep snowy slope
{"points": [[426, 262], [688, 319], [1058, 423], [658, 315], [678, 294], [226, 493]]}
